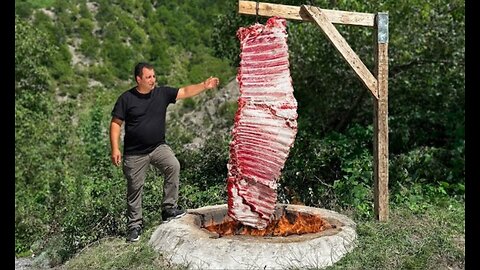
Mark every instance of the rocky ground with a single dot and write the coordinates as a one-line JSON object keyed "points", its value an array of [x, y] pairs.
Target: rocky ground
{"points": [[23, 264], [205, 117]]}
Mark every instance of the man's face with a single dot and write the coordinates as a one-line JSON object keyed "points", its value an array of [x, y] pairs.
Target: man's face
{"points": [[147, 79]]}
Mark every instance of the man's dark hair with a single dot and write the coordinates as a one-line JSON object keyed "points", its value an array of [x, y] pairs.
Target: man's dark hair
{"points": [[138, 69]]}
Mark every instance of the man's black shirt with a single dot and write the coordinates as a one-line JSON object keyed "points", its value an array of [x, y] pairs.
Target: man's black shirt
{"points": [[144, 117]]}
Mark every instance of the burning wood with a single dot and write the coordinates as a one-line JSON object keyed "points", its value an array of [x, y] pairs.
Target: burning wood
{"points": [[288, 224]]}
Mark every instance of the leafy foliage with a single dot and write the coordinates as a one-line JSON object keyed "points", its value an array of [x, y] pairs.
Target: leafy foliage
{"points": [[205, 172], [31, 57]]}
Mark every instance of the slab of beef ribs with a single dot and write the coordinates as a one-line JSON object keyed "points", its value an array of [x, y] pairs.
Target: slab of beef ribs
{"points": [[265, 123]]}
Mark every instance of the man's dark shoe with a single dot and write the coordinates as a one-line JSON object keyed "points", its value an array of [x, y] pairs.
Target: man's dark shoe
{"points": [[172, 213], [134, 234]]}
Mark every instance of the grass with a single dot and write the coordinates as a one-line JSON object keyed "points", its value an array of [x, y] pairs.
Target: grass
{"points": [[431, 239], [116, 253], [434, 239]]}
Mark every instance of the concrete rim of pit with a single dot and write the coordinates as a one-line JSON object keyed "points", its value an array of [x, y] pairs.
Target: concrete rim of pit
{"points": [[182, 241]]}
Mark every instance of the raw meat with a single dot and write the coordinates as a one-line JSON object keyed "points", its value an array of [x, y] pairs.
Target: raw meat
{"points": [[265, 123]]}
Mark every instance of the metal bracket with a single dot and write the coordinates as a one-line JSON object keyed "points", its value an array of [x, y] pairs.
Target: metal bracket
{"points": [[382, 26]]}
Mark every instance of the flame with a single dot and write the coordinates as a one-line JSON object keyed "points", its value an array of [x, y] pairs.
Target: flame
{"points": [[288, 224]]}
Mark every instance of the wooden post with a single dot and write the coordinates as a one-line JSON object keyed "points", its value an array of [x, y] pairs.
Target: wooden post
{"points": [[380, 146], [376, 83]]}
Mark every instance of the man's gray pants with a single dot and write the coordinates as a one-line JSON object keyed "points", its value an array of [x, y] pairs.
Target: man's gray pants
{"points": [[135, 169]]}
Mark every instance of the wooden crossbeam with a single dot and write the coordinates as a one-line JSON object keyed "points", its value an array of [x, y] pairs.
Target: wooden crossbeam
{"points": [[342, 46], [295, 13]]}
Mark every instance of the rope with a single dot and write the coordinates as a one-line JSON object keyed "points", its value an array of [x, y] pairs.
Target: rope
{"points": [[256, 12]]}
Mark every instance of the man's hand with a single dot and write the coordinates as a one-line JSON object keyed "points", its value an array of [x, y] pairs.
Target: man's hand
{"points": [[116, 157], [211, 82]]}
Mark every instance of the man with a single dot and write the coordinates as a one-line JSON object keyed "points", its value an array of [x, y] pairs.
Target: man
{"points": [[143, 110]]}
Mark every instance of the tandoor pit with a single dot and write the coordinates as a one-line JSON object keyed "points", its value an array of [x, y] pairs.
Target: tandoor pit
{"points": [[298, 237]]}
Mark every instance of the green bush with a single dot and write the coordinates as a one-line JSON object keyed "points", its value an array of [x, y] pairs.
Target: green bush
{"points": [[23, 9], [425, 175], [335, 170], [204, 172]]}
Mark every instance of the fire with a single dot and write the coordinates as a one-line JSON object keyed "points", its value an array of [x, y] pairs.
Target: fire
{"points": [[288, 224]]}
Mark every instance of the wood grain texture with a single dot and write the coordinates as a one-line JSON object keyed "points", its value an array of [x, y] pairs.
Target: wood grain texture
{"points": [[381, 135], [295, 13]]}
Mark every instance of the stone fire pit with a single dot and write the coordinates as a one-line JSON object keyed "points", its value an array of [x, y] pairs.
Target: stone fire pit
{"points": [[185, 241]]}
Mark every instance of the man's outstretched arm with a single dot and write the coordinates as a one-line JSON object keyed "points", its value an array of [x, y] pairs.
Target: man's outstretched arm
{"points": [[115, 127], [195, 89]]}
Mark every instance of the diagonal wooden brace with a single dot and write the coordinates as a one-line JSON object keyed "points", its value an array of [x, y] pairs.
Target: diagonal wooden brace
{"points": [[342, 46]]}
